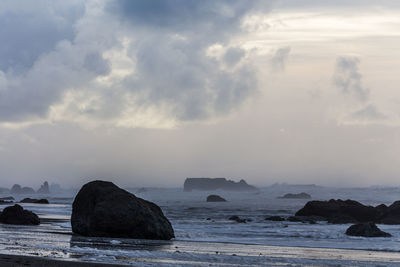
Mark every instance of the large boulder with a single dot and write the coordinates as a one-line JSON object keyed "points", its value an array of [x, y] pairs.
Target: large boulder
{"points": [[103, 209], [215, 198], [339, 211], [17, 215], [368, 229]]}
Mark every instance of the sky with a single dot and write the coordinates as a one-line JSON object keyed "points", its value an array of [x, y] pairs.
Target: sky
{"points": [[147, 93]]}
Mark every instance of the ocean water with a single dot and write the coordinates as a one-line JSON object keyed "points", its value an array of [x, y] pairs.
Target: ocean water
{"points": [[205, 236]]}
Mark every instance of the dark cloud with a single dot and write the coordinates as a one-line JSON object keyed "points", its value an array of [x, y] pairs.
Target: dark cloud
{"points": [[32, 28], [348, 78], [212, 18], [175, 72]]}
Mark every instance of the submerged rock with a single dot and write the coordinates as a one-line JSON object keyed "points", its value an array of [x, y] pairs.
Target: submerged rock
{"points": [[103, 209], [18, 215], [297, 196], [216, 183], [237, 219], [275, 218], [215, 198], [2, 202], [368, 229], [34, 200]]}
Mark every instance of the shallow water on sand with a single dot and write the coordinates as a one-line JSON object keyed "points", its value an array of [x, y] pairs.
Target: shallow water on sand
{"points": [[204, 234]]}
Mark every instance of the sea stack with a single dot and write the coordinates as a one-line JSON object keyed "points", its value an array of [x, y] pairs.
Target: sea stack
{"points": [[206, 184], [103, 209]]}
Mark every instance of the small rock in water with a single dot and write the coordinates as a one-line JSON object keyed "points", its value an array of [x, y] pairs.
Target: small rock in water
{"points": [[275, 218], [368, 229], [237, 219], [34, 200], [215, 198]]}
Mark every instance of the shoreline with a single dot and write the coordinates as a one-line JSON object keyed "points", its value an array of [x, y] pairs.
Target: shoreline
{"points": [[10, 260]]}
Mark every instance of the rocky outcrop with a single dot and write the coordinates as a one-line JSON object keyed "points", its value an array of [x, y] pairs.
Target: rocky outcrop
{"points": [[206, 184], [368, 229], [296, 196], [36, 201], [17, 215], [103, 209], [17, 189], [215, 198], [44, 188], [350, 211]]}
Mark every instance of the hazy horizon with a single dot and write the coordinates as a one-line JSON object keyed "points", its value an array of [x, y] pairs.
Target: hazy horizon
{"points": [[147, 93]]}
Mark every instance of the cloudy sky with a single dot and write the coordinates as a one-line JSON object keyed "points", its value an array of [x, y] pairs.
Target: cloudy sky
{"points": [[146, 93]]}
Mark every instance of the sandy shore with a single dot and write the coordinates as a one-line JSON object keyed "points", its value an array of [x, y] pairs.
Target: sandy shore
{"points": [[17, 261]]}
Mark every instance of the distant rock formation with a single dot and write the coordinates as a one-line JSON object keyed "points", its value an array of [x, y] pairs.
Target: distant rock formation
{"points": [[17, 215], [206, 184], [215, 198], [44, 188], [17, 189], [296, 196], [350, 211], [34, 200], [103, 209], [368, 229]]}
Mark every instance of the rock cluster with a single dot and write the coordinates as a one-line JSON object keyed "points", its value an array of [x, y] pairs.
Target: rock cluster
{"points": [[350, 211]]}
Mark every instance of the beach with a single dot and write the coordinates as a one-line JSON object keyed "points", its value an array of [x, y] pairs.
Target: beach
{"points": [[205, 236]]}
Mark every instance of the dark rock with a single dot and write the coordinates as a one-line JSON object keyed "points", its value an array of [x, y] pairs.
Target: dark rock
{"points": [[36, 201], [339, 211], [216, 183], [44, 189], [215, 198], [17, 215], [275, 218], [389, 215], [17, 189], [297, 196], [2, 202], [237, 219], [103, 209], [368, 229]]}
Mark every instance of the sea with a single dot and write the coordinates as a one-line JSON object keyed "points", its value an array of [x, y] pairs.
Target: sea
{"points": [[206, 237]]}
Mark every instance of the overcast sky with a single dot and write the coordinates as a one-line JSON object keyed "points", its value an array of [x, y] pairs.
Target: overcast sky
{"points": [[147, 93]]}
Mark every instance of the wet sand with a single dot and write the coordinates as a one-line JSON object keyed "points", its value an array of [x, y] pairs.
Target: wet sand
{"points": [[17, 261]]}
